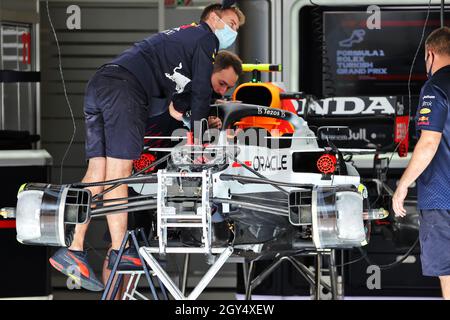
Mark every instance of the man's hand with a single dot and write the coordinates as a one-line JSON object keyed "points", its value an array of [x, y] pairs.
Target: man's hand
{"points": [[423, 153], [214, 122], [398, 200], [174, 113]]}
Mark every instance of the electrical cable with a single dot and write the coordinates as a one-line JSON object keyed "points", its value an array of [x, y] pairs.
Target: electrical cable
{"points": [[352, 261], [409, 85], [364, 254], [61, 73], [65, 94], [391, 265], [89, 247]]}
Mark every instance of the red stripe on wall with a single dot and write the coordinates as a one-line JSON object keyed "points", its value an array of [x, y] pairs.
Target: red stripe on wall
{"points": [[8, 224]]}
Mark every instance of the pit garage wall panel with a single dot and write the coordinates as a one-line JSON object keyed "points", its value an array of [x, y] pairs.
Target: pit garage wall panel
{"points": [[254, 37], [18, 10], [107, 28]]}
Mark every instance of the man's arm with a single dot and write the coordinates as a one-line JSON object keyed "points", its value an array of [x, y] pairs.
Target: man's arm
{"points": [[202, 69], [423, 153], [430, 120]]}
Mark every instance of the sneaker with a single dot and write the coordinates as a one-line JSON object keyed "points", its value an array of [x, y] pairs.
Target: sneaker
{"points": [[67, 261], [130, 259]]}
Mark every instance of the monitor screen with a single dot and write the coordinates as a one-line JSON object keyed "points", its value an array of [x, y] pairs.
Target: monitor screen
{"points": [[362, 61]]}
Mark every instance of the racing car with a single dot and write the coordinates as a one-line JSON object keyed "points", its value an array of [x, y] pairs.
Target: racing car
{"points": [[251, 193]]}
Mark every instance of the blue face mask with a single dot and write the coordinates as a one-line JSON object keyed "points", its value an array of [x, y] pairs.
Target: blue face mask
{"points": [[226, 36]]}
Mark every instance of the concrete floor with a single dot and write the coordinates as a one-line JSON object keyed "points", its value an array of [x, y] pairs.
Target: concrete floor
{"points": [[216, 294], [65, 294], [222, 288]]}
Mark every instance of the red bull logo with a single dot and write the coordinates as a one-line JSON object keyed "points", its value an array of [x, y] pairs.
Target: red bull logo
{"points": [[423, 121]]}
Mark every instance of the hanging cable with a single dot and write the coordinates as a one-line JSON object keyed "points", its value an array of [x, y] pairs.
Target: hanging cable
{"points": [[65, 94], [394, 264], [409, 85], [406, 255]]}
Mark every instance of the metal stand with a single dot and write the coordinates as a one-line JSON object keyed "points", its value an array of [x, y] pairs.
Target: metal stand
{"points": [[147, 252], [318, 275], [184, 278], [131, 292], [314, 279], [167, 218]]}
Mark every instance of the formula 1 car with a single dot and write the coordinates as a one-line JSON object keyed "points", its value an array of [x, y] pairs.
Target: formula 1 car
{"points": [[248, 193]]}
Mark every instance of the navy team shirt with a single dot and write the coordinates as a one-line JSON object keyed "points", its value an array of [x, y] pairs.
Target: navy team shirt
{"points": [[433, 185], [172, 65]]}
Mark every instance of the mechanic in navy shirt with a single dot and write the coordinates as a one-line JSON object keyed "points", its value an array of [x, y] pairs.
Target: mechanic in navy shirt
{"points": [[227, 69], [120, 97], [430, 162]]}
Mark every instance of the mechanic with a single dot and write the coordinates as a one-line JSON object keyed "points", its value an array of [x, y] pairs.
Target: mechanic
{"points": [[123, 94], [429, 163], [226, 71]]}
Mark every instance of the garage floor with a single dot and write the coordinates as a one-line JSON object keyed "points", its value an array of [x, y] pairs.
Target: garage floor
{"points": [[64, 294]]}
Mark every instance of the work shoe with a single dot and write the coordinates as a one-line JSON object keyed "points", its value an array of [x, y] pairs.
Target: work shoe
{"points": [[74, 264], [130, 259]]}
